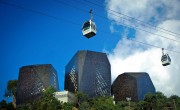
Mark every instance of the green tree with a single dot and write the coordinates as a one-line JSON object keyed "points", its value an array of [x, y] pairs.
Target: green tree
{"points": [[81, 97], [6, 106], [3, 104], [174, 101], [49, 91], [47, 102], [161, 100], [121, 104], [103, 103], [141, 105], [150, 100], [84, 106], [11, 90], [67, 106]]}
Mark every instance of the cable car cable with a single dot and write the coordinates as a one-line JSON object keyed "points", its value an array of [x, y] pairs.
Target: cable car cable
{"points": [[123, 24], [71, 22], [37, 12], [146, 31], [135, 19], [155, 27]]}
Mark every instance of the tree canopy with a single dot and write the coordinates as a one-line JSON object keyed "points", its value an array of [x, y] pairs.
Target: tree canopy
{"points": [[157, 101], [11, 88]]}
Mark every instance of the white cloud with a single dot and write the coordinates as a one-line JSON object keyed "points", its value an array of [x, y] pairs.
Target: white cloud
{"points": [[145, 10], [130, 56]]}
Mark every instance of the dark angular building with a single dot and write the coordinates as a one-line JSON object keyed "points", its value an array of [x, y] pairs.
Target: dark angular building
{"points": [[33, 80], [90, 73], [134, 85]]}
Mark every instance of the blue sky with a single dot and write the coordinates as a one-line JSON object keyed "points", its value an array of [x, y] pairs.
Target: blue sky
{"points": [[28, 38], [49, 32]]}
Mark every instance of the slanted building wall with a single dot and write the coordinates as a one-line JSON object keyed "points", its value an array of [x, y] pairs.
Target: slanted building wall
{"points": [[89, 72], [132, 84]]}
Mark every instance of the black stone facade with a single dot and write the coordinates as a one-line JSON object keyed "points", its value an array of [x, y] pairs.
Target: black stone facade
{"points": [[134, 85], [33, 80], [90, 73]]}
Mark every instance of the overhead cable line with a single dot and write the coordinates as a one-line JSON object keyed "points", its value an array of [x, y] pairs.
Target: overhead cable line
{"points": [[71, 22], [142, 22], [136, 19], [37, 12], [154, 46], [145, 26], [120, 22]]}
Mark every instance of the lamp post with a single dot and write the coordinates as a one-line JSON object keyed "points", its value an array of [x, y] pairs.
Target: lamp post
{"points": [[128, 99], [174, 104], [113, 100]]}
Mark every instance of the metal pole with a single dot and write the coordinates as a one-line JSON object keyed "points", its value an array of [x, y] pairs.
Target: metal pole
{"points": [[128, 99], [174, 104], [162, 51], [91, 14]]}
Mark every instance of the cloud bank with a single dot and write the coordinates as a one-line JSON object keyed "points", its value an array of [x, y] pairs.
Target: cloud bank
{"points": [[130, 56]]}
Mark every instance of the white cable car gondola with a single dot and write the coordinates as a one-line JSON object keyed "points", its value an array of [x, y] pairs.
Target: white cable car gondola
{"points": [[166, 60], [89, 28]]}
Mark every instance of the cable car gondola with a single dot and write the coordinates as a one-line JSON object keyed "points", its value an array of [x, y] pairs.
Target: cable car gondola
{"points": [[165, 59], [89, 28]]}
